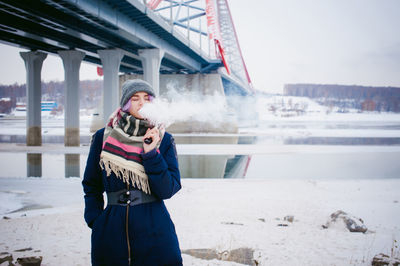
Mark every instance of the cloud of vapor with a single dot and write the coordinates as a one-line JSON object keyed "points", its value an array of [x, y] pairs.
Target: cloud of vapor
{"points": [[185, 106]]}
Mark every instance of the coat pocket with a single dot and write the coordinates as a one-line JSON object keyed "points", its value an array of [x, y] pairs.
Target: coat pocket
{"points": [[97, 219]]}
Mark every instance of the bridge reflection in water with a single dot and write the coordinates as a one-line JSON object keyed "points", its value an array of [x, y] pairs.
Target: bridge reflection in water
{"points": [[49, 162], [377, 155], [213, 166], [34, 164], [191, 166], [72, 165]]}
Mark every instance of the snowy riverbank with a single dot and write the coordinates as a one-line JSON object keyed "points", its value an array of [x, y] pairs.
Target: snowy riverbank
{"points": [[216, 214]]}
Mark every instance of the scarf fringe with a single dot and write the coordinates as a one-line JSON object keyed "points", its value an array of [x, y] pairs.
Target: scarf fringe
{"points": [[132, 176]]}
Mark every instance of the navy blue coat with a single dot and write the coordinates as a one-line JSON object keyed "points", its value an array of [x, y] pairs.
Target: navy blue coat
{"points": [[152, 236]]}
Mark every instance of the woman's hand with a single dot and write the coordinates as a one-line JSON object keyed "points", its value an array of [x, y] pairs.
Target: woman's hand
{"points": [[154, 134]]}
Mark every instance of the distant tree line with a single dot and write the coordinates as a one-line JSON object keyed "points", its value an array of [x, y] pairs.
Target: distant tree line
{"points": [[365, 98], [90, 94]]}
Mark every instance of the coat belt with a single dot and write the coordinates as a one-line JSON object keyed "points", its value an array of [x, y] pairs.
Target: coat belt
{"points": [[129, 197]]}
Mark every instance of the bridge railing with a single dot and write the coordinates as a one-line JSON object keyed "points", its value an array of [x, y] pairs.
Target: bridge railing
{"points": [[208, 24], [188, 17]]}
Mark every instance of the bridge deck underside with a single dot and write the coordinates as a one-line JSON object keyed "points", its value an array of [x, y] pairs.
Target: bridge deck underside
{"points": [[54, 25]]}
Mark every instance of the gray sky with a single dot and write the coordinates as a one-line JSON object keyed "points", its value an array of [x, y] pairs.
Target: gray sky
{"points": [[324, 41], [291, 41]]}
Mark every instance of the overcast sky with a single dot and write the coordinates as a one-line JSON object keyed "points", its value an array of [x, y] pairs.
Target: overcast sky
{"points": [[291, 41]]}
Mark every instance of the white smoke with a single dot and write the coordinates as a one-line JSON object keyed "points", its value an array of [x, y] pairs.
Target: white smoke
{"points": [[185, 106]]}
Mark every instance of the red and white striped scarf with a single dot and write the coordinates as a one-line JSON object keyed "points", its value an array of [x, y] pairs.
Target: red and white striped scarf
{"points": [[122, 146]]}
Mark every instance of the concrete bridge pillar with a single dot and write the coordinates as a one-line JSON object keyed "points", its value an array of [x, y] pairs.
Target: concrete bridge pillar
{"points": [[111, 60], [72, 62], [151, 61], [33, 65]]}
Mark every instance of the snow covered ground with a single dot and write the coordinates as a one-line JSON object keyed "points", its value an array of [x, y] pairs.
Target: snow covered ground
{"points": [[219, 214]]}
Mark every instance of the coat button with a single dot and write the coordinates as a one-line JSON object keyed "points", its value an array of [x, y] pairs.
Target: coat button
{"points": [[128, 202], [128, 192]]}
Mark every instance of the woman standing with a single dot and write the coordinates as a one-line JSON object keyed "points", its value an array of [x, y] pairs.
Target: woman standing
{"points": [[135, 228]]}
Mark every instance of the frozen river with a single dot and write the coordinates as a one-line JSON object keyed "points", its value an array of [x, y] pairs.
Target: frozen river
{"points": [[340, 146]]}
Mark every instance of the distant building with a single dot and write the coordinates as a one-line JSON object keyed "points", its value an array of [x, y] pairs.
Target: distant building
{"points": [[349, 96], [368, 105], [5, 105]]}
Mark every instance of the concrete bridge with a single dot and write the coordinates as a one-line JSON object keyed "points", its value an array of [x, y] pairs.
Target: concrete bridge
{"points": [[121, 35], [179, 39]]}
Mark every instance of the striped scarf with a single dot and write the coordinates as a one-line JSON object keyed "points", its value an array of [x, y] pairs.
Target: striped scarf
{"points": [[122, 146]]}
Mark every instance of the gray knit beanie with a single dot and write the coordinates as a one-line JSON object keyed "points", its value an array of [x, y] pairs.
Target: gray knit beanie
{"points": [[130, 87]]}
